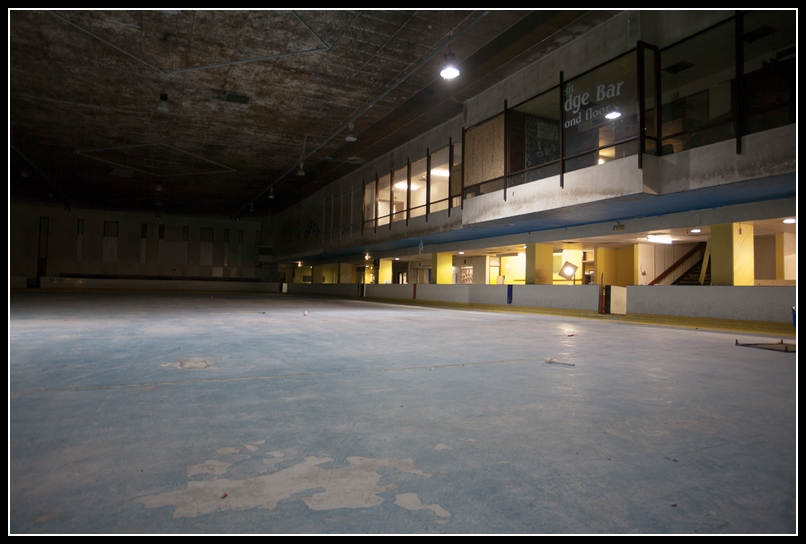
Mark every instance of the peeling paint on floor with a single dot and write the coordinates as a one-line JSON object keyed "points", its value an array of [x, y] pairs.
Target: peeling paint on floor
{"points": [[353, 486], [211, 466], [410, 501]]}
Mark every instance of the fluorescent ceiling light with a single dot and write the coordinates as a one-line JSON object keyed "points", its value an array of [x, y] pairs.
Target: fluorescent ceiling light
{"points": [[440, 172], [613, 115], [659, 239], [790, 221]]}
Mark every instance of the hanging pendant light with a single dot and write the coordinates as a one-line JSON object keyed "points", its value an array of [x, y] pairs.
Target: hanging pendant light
{"points": [[449, 68]]}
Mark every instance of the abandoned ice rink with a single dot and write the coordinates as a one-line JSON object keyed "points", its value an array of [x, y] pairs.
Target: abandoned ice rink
{"points": [[237, 413]]}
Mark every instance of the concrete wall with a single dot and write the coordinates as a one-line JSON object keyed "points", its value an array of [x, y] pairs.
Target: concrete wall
{"points": [[91, 253], [768, 153], [559, 297], [332, 289], [100, 284], [749, 303], [611, 180]]}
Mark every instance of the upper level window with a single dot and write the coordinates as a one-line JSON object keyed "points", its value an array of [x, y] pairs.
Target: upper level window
{"points": [[600, 114]]}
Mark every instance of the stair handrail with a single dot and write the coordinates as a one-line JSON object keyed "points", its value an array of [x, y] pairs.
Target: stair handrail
{"points": [[677, 263]]}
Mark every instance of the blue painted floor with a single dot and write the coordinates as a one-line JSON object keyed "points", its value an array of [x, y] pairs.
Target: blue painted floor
{"points": [[191, 413]]}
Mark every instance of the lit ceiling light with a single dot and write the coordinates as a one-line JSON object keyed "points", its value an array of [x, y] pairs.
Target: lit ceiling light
{"points": [[659, 239], [366, 257], [439, 172], [790, 220], [695, 231], [350, 137], [301, 171], [402, 185], [461, 253], [299, 265], [271, 193], [397, 258], [601, 161], [615, 114], [449, 69]]}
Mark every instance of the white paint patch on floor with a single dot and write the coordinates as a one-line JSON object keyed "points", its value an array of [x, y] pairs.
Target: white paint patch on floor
{"points": [[355, 485], [259, 442], [211, 466], [227, 450], [250, 447], [410, 501], [276, 453], [441, 446]]}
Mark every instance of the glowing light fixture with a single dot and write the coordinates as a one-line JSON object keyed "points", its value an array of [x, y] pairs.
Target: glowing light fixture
{"points": [[613, 115], [790, 220], [449, 69], [568, 271], [695, 231], [659, 239]]}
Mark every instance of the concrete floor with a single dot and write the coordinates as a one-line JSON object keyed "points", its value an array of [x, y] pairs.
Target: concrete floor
{"points": [[186, 413]]}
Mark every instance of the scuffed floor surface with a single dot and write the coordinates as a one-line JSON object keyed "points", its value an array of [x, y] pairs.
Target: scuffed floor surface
{"points": [[191, 413]]}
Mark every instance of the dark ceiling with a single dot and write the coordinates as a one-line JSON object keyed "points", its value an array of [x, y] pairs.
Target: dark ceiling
{"points": [[247, 91]]}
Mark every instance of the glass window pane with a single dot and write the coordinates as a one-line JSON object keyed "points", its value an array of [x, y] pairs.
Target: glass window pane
{"points": [[650, 117], [769, 70], [369, 203], [418, 188], [456, 175], [384, 194], [534, 132], [697, 79], [439, 176], [601, 107], [400, 193]]}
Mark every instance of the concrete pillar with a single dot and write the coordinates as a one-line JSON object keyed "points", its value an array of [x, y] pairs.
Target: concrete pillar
{"points": [[732, 260], [318, 274], [539, 264], [785, 256], [369, 274], [346, 273], [441, 268], [385, 271]]}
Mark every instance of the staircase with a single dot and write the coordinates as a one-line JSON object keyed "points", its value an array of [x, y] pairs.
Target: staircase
{"points": [[692, 276]]}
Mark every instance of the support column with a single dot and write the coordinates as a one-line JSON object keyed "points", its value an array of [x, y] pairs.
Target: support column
{"points": [[318, 274], [732, 254], [441, 268], [385, 271], [785, 256], [539, 264], [346, 273]]}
